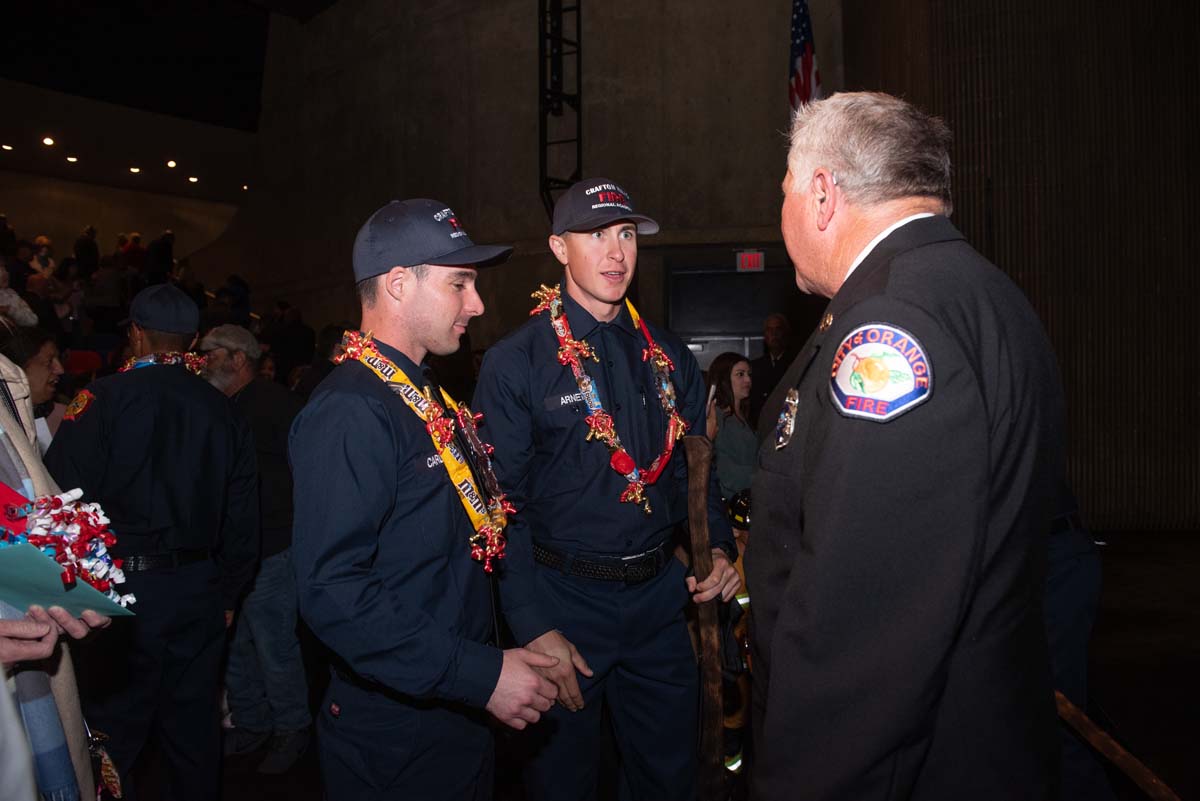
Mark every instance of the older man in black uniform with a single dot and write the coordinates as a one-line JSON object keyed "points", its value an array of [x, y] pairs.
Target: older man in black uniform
{"points": [[391, 538], [584, 404], [911, 456], [164, 454]]}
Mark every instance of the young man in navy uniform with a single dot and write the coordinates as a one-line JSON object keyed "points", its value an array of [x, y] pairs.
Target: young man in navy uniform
{"points": [[584, 404], [173, 468], [390, 573], [903, 495]]}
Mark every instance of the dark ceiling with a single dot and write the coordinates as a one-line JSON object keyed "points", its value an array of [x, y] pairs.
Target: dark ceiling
{"points": [[201, 61]]}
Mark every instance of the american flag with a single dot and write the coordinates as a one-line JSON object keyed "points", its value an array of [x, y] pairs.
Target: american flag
{"points": [[804, 79]]}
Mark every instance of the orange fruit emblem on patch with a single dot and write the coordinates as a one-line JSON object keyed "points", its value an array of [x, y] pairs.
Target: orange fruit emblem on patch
{"points": [[78, 405]]}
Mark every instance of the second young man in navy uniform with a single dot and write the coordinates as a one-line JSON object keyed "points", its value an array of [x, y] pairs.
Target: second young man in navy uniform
{"points": [[584, 404]]}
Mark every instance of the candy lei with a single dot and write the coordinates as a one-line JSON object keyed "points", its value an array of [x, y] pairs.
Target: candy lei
{"points": [[488, 512], [572, 352], [194, 362], [75, 535]]}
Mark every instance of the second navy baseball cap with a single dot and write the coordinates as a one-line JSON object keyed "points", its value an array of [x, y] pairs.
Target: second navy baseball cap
{"points": [[164, 307], [595, 203], [405, 233]]}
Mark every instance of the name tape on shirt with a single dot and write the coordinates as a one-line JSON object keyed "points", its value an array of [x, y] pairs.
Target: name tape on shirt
{"points": [[879, 373]]}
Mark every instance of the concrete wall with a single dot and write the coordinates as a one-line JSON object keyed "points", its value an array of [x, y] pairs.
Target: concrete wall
{"points": [[685, 105]]}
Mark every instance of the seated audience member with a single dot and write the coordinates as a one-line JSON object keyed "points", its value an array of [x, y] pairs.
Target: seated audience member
{"points": [[12, 305], [36, 353], [43, 256]]}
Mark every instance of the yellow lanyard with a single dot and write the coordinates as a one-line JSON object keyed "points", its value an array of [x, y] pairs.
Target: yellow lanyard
{"points": [[487, 518]]}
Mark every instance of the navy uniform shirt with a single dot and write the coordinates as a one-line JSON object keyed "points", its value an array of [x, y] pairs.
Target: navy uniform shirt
{"points": [[171, 464], [380, 543], [566, 494]]}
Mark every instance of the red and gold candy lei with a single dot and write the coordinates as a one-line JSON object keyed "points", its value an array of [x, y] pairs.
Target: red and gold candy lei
{"points": [[194, 362], [573, 352]]}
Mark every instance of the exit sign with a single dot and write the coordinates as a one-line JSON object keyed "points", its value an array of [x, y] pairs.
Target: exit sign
{"points": [[750, 261]]}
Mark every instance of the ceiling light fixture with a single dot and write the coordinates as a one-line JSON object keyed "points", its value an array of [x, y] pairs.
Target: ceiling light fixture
{"points": [[245, 187], [6, 147], [193, 179], [47, 141], [135, 170], [171, 164], [72, 159]]}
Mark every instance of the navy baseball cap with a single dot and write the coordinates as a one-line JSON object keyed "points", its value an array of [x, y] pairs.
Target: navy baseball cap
{"points": [[405, 233], [166, 308], [595, 203]]}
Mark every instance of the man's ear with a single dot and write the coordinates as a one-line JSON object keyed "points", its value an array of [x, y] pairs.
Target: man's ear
{"points": [[394, 280], [558, 246], [826, 195]]}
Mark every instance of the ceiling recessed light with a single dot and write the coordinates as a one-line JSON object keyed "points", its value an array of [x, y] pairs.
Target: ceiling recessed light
{"points": [[135, 170], [171, 163], [6, 147], [47, 141], [72, 159], [244, 187], [193, 178]]}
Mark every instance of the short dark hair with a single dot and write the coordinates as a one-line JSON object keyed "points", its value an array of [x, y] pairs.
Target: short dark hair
{"points": [[21, 343], [167, 340], [368, 291]]}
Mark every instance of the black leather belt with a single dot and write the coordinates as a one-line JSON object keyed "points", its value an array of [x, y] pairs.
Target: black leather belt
{"points": [[632, 569], [1066, 523], [138, 563]]}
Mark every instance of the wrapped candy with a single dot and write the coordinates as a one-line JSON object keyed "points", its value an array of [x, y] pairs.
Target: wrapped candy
{"points": [[72, 533]]}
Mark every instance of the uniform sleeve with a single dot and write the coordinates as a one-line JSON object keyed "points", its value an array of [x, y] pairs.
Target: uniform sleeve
{"points": [[508, 426], [78, 454], [693, 395], [343, 455], [237, 556], [894, 518]]}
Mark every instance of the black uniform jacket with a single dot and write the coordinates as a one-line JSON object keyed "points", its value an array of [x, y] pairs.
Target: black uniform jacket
{"points": [[566, 494], [171, 464], [380, 543], [897, 623]]}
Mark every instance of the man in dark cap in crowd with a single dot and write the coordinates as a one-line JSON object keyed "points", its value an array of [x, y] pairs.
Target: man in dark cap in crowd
{"points": [[397, 520], [165, 455], [770, 367], [911, 457], [264, 674], [587, 450], [87, 252]]}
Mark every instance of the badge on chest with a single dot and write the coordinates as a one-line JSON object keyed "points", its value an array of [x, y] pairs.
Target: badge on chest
{"points": [[879, 372]]}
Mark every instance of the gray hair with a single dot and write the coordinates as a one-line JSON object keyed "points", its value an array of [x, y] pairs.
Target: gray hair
{"points": [[878, 147]]}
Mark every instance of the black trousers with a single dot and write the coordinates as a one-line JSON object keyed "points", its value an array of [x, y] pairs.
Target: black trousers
{"points": [[1072, 596], [376, 746], [157, 674]]}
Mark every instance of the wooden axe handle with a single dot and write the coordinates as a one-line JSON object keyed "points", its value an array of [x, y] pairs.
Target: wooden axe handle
{"points": [[712, 711]]}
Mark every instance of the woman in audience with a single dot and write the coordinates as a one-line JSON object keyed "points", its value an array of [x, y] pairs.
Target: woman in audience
{"points": [[734, 443], [36, 352], [12, 305]]}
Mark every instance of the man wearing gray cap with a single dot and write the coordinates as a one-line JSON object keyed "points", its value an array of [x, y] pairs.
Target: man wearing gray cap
{"points": [[585, 404], [398, 522], [264, 674], [166, 457]]}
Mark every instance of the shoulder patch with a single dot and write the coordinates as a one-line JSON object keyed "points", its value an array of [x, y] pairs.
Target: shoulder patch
{"points": [[879, 373], [78, 405]]}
